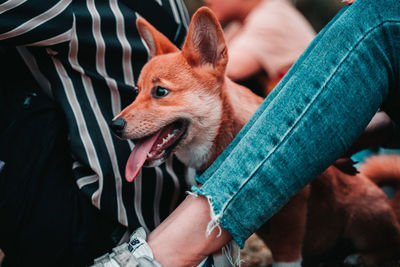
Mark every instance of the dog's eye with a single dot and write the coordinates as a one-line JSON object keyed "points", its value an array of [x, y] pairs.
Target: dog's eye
{"points": [[159, 92]]}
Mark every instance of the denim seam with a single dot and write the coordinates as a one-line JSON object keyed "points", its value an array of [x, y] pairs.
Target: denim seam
{"points": [[305, 111]]}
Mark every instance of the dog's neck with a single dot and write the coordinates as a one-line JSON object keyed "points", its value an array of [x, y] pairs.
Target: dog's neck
{"points": [[238, 105]]}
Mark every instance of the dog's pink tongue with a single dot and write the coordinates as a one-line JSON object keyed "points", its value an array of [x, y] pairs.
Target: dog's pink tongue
{"points": [[138, 157]]}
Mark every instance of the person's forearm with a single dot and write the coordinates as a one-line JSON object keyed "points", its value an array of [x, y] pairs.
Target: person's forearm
{"points": [[181, 239]]}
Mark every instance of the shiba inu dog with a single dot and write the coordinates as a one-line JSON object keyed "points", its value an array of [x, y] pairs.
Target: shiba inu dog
{"points": [[187, 106]]}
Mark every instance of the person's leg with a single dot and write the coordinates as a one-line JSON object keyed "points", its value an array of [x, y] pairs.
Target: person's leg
{"points": [[317, 111], [207, 173]]}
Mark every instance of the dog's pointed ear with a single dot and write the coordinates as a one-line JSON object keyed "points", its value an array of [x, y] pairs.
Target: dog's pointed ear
{"points": [[205, 43], [157, 42]]}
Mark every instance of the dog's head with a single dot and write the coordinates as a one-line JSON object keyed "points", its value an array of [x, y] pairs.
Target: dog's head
{"points": [[178, 107]]}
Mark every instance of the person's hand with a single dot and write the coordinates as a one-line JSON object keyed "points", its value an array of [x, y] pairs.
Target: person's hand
{"points": [[349, 1], [181, 239]]}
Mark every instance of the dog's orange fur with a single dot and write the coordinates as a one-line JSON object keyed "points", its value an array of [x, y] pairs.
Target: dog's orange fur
{"points": [[334, 206], [384, 170]]}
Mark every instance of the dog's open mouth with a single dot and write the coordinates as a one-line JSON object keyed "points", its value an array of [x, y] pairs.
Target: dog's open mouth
{"points": [[153, 150]]}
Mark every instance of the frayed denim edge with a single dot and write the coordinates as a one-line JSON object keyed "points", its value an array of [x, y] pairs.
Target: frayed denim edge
{"points": [[216, 219], [232, 252]]}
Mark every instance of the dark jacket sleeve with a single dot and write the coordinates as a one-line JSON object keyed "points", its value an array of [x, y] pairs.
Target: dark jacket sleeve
{"points": [[35, 22]]}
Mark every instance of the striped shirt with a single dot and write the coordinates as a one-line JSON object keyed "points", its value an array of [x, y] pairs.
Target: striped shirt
{"points": [[87, 56]]}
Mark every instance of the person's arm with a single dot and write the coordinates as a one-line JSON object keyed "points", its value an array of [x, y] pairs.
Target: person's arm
{"points": [[180, 240], [272, 37], [242, 64]]}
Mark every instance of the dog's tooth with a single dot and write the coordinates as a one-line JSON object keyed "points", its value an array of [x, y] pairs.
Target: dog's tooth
{"points": [[159, 145], [149, 155]]}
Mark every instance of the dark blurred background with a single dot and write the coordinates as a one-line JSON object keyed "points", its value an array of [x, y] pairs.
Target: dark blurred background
{"points": [[318, 12]]}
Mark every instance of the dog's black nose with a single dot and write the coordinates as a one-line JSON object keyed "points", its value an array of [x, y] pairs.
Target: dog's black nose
{"points": [[117, 126]]}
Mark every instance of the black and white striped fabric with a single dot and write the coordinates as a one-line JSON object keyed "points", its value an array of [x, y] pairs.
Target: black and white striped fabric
{"points": [[87, 55]]}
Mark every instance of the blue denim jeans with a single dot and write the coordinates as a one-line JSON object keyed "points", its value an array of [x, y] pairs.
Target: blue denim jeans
{"points": [[311, 118]]}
